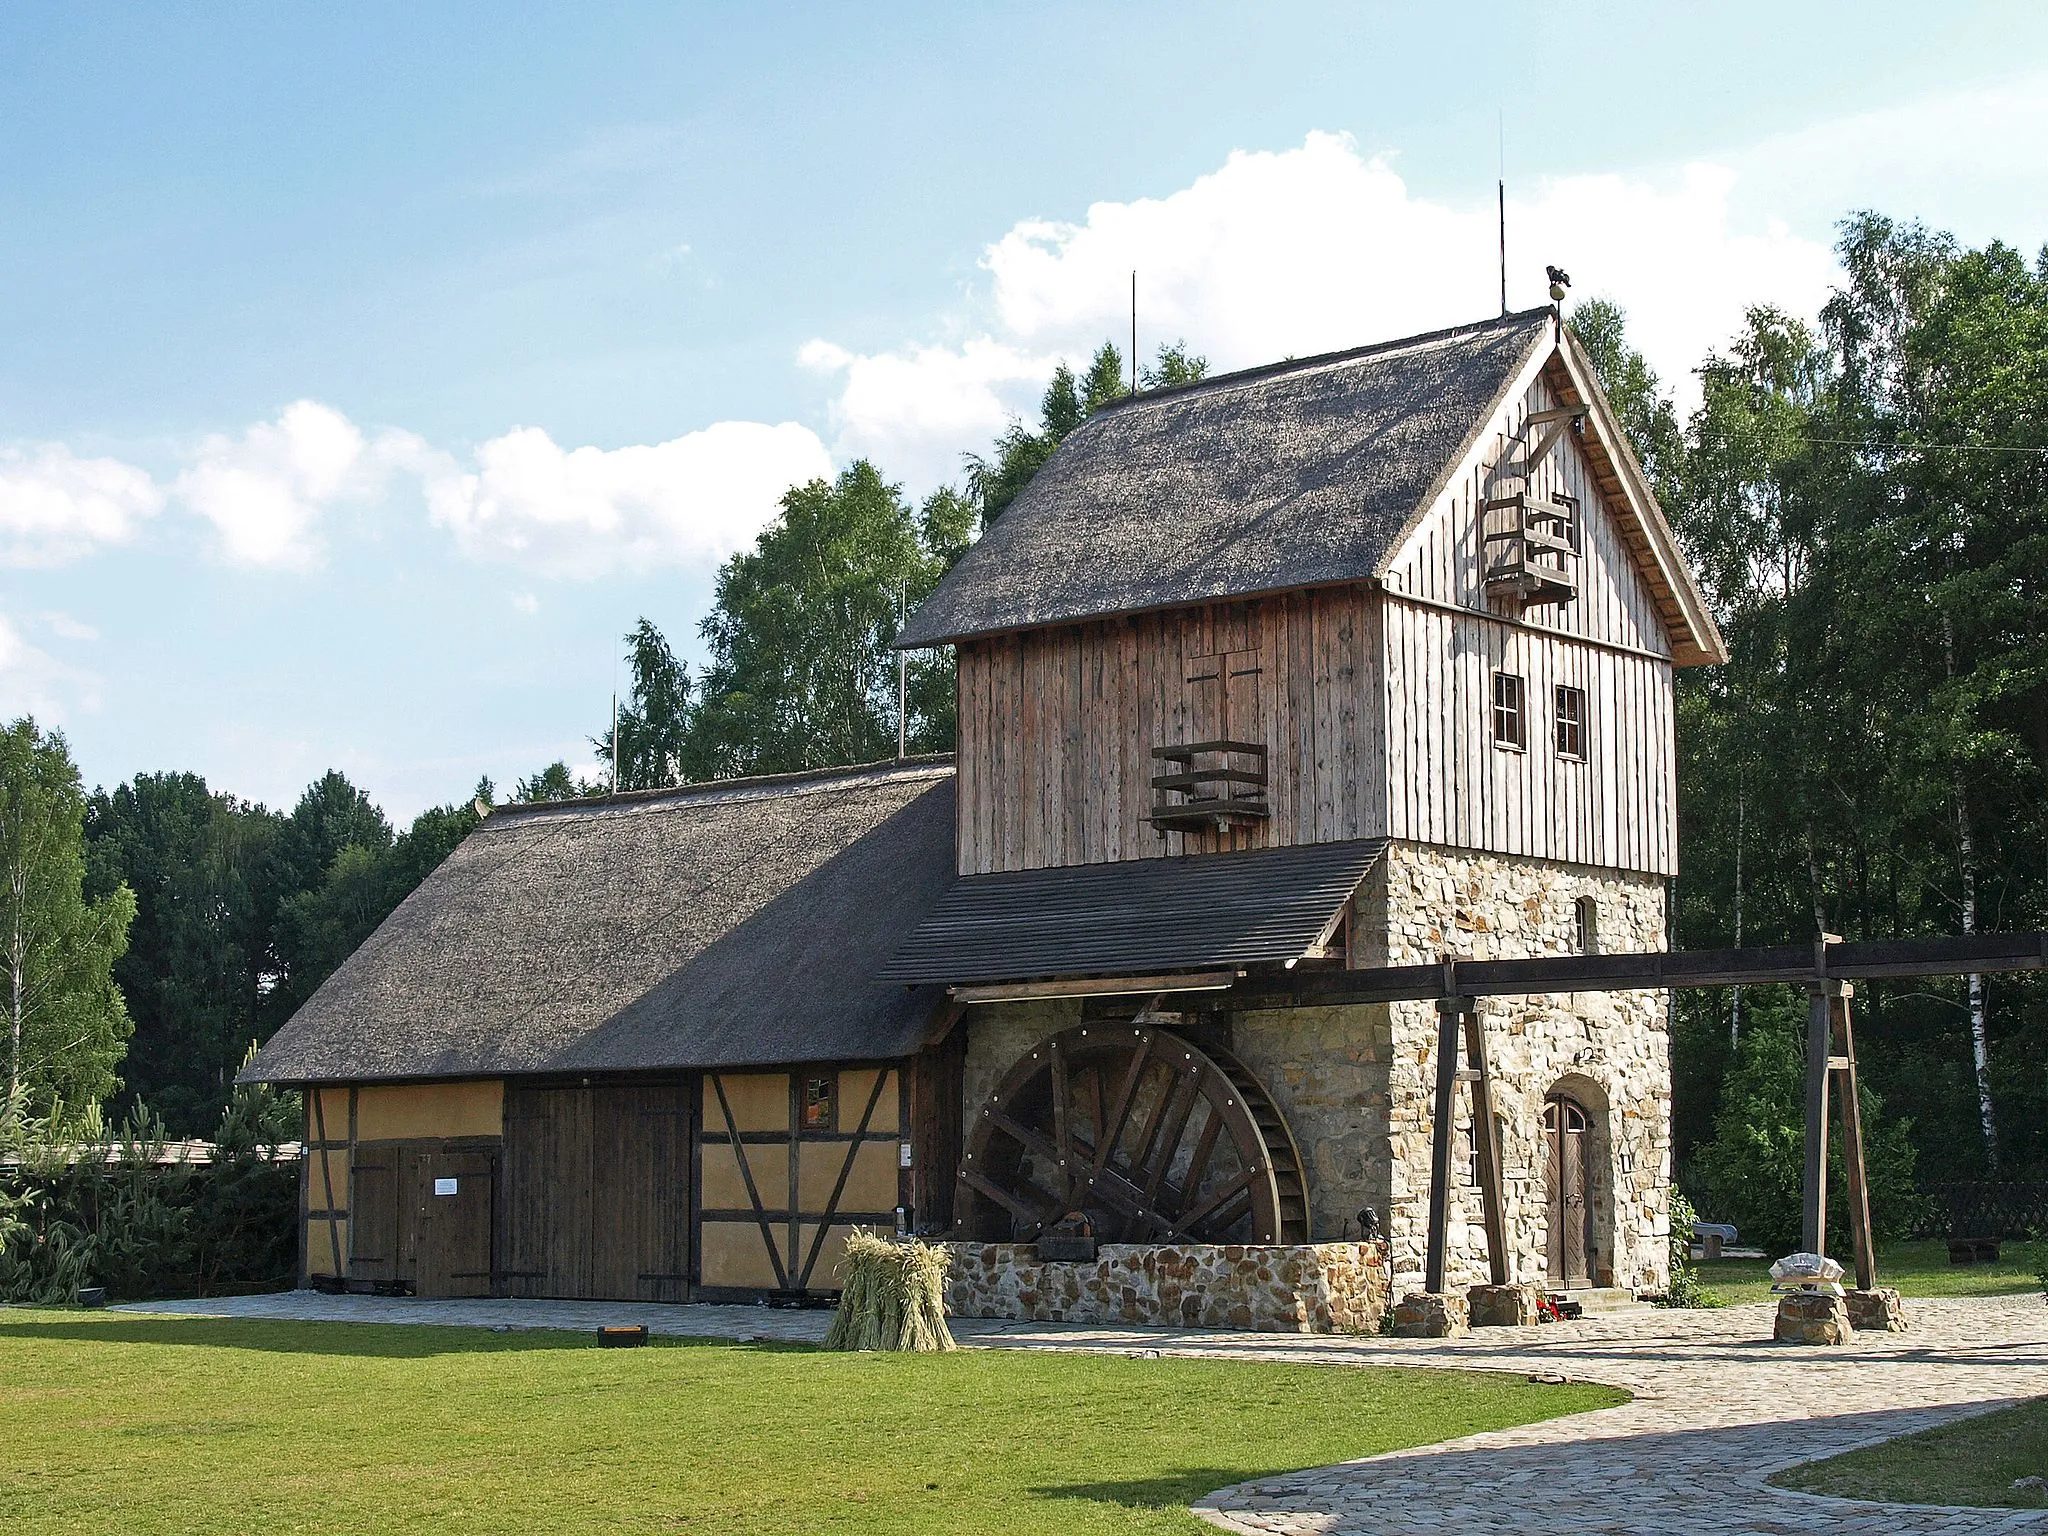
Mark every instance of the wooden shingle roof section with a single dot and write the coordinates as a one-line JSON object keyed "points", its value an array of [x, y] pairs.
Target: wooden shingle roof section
{"points": [[1302, 474], [730, 924]]}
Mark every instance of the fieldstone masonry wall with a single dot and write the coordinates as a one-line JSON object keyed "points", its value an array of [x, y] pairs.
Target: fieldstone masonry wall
{"points": [[1298, 1288], [1609, 1050]]}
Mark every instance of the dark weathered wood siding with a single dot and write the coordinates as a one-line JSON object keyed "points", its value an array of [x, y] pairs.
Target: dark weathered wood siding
{"points": [[1057, 728]]}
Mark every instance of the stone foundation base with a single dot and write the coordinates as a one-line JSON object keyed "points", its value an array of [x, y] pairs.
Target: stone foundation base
{"points": [[1502, 1306], [1813, 1317], [1291, 1288], [1431, 1315], [1879, 1310]]}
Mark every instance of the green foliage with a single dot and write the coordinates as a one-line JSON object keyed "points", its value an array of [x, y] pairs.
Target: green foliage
{"points": [[1173, 367], [65, 1022], [1686, 1289], [1751, 1172], [654, 723], [802, 674], [1873, 760], [554, 782], [1633, 390], [83, 1203], [201, 955]]}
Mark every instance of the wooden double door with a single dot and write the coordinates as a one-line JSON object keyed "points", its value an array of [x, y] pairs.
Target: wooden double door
{"points": [[1567, 1138], [595, 1198], [422, 1217]]}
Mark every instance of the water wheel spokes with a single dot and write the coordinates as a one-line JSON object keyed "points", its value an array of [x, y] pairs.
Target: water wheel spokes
{"points": [[1146, 1135]]}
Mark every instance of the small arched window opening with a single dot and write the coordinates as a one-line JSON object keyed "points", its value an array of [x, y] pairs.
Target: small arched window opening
{"points": [[1586, 916]]}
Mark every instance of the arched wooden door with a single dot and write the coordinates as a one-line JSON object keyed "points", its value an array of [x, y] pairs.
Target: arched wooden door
{"points": [[1567, 1142]]}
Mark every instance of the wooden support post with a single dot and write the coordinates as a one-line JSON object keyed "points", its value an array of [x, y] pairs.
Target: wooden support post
{"points": [[1852, 1144], [1449, 1012], [1820, 1017], [1486, 1151]]}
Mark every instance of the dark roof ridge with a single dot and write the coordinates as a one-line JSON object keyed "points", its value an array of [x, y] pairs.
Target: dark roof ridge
{"points": [[720, 791], [1507, 322]]}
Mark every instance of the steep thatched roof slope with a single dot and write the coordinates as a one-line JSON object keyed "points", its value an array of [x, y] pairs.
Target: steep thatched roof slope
{"points": [[727, 925], [1298, 475]]}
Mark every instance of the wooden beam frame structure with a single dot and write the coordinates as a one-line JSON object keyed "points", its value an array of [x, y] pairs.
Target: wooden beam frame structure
{"points": [[1828, 970]]}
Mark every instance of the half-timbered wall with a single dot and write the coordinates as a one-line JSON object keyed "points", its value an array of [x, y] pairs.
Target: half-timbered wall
{"points": [[1057, 727], [1449, 783]]}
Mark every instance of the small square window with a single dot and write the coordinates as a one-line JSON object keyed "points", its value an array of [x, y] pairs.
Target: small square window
{"points": [[820, 1104], [1510, 719], [1571, 722]]}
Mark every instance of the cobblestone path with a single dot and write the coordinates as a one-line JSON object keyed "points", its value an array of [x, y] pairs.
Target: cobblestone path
{"points": [[1717, 1407]]}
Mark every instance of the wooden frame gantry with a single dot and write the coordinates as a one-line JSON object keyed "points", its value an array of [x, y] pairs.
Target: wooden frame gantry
{"points": [[1829, 970]]}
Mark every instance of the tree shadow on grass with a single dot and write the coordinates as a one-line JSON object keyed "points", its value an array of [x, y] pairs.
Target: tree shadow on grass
{"points": [[389, 1341], [1169, 1490]]}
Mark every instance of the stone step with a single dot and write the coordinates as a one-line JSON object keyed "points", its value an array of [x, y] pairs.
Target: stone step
{"points": [[1602, 1300]]}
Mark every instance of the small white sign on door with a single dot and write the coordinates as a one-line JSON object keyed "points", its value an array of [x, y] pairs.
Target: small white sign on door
{"points": [[444, 1186]]}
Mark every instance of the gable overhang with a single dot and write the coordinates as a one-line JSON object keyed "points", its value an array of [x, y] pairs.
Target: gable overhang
{"points": [[1561, 362]]}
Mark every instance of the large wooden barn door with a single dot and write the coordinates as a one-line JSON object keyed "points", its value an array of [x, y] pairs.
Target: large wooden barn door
{"points": [[1565, 1141], [422, 1218], [788, 1164], [596, 1196]]}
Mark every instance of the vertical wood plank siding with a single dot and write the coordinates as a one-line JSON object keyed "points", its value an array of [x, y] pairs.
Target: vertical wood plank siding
{"points": [[1061, 723], [1375, 709], [1448, 782]]}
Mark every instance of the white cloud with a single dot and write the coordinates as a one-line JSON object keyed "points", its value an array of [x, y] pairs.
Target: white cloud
{"points": [[55, 506], [587, 511], [915, 412], [65, 627], [267, 491], [1312, 249], [34, 682]]}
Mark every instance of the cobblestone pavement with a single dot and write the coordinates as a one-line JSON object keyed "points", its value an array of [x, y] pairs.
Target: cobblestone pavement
{"points": [[1717, 1407]]}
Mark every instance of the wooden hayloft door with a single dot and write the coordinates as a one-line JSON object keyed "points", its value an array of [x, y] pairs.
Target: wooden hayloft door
{"points": [[1566, 1144]]}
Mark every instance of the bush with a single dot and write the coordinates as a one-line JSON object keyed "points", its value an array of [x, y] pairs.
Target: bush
{"points": [[85, 1205], [1752, 1171], [1686, 1288]]}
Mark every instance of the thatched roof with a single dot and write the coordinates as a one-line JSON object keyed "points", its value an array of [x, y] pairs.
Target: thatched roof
{"points": [[732, 924], [1298, 475]]}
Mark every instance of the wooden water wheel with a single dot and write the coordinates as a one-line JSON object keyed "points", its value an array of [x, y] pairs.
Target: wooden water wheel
{"points": [[1150, 1137]]}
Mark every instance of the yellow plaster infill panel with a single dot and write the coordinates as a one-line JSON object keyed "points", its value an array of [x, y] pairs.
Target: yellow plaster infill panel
{"points": [[327, 1115], [825, 1275], [417, 1111], [759, 1100], [854, 1088], [870, 1184], [724, 1190], [327, 1174], [735, 1254], [320, 1240]]}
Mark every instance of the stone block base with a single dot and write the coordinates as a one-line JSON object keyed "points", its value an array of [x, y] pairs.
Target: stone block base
{"points": [[1279, 1288], [1813, 1317], [1431, 1315], [1502, 1306], [1878, 1310]]}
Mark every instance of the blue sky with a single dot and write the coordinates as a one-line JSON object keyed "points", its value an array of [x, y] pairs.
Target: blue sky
{"points": [[368, 370]]}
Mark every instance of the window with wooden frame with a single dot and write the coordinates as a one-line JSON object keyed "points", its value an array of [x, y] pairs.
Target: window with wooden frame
{"points": [[1586, 923], [820, 1106], [1571, 722], [1510, 714]]}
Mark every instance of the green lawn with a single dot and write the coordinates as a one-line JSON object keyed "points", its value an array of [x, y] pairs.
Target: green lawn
{"points": [[1917, 1269], [149, 1425], [1974, 1461]]}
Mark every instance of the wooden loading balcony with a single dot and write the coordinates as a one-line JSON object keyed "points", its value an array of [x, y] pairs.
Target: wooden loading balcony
{"points": [[1209, 784], [1530, 557]]}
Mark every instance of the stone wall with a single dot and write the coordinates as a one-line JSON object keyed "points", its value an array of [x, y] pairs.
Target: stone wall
{"points": [[1609, 1050], [1300, 1288]]}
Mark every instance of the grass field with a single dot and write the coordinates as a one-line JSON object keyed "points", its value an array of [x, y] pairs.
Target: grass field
{"points": [[1973, 1461], [148, 1425], [1917, 1269]]}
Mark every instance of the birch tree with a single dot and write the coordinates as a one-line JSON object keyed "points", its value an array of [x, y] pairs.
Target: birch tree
{"points": [[67, 1025]]}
